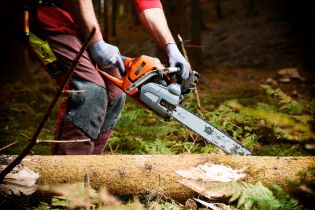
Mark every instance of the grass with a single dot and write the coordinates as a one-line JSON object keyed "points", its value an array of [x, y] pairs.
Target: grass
{"points": [[266, 120]]}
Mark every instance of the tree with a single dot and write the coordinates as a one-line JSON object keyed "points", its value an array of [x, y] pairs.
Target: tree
{"points": [[105, 15], [97, 4], [218, 8], [251, 8], [14, 54], [115, 4], [177, 17], [195, 30]]}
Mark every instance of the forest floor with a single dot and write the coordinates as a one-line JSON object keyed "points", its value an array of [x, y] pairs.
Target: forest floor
{"points": [[251, 85]]}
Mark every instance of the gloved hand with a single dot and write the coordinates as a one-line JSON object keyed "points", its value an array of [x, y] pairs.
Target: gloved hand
{"points": [[176, 59], [189, 84], [106, 55]]}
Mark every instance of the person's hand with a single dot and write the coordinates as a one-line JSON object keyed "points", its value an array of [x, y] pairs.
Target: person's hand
{"points": [[106, 55], [176, 59]]}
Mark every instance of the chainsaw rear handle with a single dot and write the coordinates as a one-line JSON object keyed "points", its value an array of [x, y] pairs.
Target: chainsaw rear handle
{"points": [[124, 58], [117, 81]]}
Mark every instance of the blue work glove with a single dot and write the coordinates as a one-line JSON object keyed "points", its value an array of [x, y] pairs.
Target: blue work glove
{"points": [[106, 55], [176, 59]]}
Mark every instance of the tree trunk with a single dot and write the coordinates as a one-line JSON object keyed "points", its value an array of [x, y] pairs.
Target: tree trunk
{"points": [[97, 8], [178, 24], [106, 31], [115, 4], [218, 8], [251, 8], [195, 28], [13, 56], [136, 19], [142, 174]]}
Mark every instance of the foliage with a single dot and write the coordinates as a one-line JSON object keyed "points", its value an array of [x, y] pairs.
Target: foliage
{"points": [[80, 196], [263, 127], [169, 206], [255, 196], [22, 106], [242, 195]]}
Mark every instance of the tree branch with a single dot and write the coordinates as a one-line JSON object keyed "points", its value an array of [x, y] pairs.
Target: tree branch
{"points": [[186, 56], [9, 145], [63, 141]]}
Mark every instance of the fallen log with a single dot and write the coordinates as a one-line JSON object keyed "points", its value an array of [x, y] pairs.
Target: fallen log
{"points": [[150, 174]]}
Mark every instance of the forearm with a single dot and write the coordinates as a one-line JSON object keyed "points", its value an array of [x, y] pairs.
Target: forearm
{"points": [[82, 12], [155, 23]]}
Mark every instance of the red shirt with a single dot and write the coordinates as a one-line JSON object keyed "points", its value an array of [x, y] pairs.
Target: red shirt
{"points": [[147, 4], [57, 20]]}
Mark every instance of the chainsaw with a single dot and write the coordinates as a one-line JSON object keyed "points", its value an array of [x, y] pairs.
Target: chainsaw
{"points": [[155, 86]]}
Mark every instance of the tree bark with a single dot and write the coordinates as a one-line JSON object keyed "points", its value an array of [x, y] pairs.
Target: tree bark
{"points": [[115, 4], [195, 29], [218, 9], [97, 8], [149, 174], [13, 59], [251, 8], [177, 25], [106, 20]]}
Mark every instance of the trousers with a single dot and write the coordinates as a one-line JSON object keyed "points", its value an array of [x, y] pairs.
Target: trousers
{"points": [[92, 105]]}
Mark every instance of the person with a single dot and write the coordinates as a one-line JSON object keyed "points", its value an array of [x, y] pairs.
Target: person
{"points": [[93, 110]]}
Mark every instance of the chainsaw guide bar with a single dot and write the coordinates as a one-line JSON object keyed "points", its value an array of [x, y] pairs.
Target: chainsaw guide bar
{"points": [[209, 132], [150, 83]]}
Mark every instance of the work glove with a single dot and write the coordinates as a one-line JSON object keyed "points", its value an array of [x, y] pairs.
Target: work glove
{"points": [[190, 84], [106, 56], [176, 59]]}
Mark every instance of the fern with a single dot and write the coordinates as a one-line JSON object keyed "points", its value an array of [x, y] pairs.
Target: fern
{"points": [[284, 101], [257, 196], [169, 206], [155, 147], [254, 196], [286, 201]]}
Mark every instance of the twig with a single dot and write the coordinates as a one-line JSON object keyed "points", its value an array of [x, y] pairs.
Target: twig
{"points": [[42, 123], [183, 47], [186, 56], [86, 190], [155, 203], [116, 148], [171, 199], [110, 148], [24, 135], [73, 91], [63, 141], [9, 145]]}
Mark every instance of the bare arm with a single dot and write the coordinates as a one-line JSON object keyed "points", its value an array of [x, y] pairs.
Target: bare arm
{"points": [[104, 54], [155, 23], [82, 12]]}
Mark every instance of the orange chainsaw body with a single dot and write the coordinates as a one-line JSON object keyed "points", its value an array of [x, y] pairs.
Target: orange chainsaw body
{"points": [[135, 69]]}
